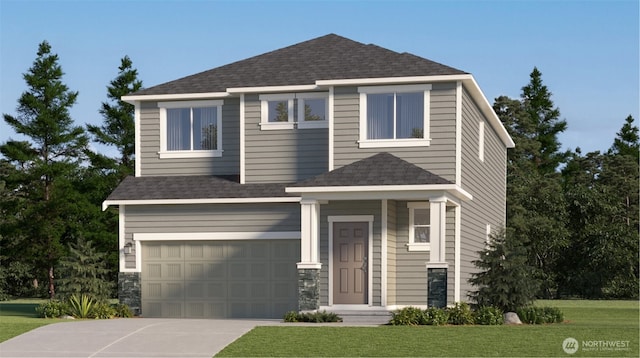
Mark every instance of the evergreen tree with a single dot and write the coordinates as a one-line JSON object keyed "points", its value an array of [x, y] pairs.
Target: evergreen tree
{"points": [[118, 129], [546, 125], [46, 161], [505, 280], [536, 211], [627, 141], [84, 271]]}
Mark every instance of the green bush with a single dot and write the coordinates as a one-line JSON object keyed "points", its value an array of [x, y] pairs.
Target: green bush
{"points": [[460, 314], [436, 316], [52, 309], [540, 315], [123, 311], [102, 310], [314, 317], [408, 316], [488, 316]]}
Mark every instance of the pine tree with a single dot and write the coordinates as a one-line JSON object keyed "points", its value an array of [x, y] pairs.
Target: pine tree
{"points": [[84, 271], [505, 279], [627, 141], [47, 160], [536, 211], [546, 125], [118, 129]]}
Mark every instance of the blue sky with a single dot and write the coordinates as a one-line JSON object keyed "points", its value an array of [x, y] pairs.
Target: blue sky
{"points": [[587, 51]]}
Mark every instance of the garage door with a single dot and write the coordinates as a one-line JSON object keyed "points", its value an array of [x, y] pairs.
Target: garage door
{"points": [[219, 279]]}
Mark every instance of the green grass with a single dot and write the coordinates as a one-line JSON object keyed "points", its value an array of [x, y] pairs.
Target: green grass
{"points": [[586, 321], [19, 316]]}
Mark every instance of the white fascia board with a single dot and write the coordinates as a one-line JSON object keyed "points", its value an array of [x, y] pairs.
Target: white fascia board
{"points": [[392, 80], [272, 89], [175, 97], [208, 236], [486, 108], [379, 192], [108, 203]]}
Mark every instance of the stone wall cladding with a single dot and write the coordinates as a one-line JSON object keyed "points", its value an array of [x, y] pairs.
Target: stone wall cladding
{"points": [[129, 291], [308, 289]]}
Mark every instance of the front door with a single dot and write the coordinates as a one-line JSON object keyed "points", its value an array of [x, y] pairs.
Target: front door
{"points": [[350, 262]]}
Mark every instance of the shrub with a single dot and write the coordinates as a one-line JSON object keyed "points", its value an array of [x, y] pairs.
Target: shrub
{"points": [[408, 316], [505, 279], [314, 317], [460, 314], [488, 316], [540, 315], [52, 309], [123, 311], [436, 316], [81, 307], [102, 310]]}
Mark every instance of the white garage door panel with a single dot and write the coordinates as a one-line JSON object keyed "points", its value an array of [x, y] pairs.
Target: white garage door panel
{"points": [[219, 279]]}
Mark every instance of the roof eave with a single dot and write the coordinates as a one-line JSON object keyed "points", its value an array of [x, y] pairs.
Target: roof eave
{"points": [[174, 97], [118, 202], [398, 192]]}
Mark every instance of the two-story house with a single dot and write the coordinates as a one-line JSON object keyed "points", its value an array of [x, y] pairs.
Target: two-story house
{"points": [[329, 174]]}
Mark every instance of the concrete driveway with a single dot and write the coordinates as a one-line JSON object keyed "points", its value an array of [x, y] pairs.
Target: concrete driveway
{"points": [[135, 337]]}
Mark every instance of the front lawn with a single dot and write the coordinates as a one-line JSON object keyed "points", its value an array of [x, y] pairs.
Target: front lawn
{"points": [[592, 323], [19, 316]]}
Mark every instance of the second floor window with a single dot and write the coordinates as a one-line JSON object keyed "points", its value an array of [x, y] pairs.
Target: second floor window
{"points": [[394, 116], [191, 128], [286, 110]]}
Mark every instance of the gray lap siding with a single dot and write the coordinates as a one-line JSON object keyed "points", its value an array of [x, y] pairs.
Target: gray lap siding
{"points": [[151, 164], [281, 156], [486, 181], [437, 158], [215, 218]]}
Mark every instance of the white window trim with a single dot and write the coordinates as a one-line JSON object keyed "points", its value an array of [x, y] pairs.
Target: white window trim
{"points": [[412, 245], [265, 125], [364, 142], [291, 122], [302, 123], [164, 153]]}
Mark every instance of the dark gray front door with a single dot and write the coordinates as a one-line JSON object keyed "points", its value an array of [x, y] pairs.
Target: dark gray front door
{"points": [[350, 263]]}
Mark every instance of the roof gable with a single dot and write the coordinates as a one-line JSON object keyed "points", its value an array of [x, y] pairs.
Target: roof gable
{"points": [[329, 57], [379, 169]]}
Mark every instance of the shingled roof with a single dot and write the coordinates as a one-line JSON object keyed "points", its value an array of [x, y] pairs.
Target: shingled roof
{"points": [[192, 187], [379, 169], [329, 57]]}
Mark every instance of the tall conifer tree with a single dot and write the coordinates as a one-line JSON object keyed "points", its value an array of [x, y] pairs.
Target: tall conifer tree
{"points": [[47, 160]]}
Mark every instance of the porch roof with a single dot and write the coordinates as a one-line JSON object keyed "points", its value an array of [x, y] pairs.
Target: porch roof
{"points": [[379, 169]]}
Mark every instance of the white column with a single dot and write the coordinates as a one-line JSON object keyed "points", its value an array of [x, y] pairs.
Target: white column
{"points": [[438, 208], [310, 232]]}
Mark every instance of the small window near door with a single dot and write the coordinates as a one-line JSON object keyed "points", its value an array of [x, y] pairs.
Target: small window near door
{"points": [[419, 226]]}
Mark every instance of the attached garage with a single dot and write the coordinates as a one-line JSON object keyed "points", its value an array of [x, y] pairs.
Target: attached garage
{"points": [[219, 279]]}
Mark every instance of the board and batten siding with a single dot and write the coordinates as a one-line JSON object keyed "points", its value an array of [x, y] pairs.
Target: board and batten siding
{"points": [[208, 218], [486, 181], [439, 157], [342, 208], [282, 156], [152, 165]]}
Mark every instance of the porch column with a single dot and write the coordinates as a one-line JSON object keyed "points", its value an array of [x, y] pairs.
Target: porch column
{"points": [[309, 265], [438, 209]]}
